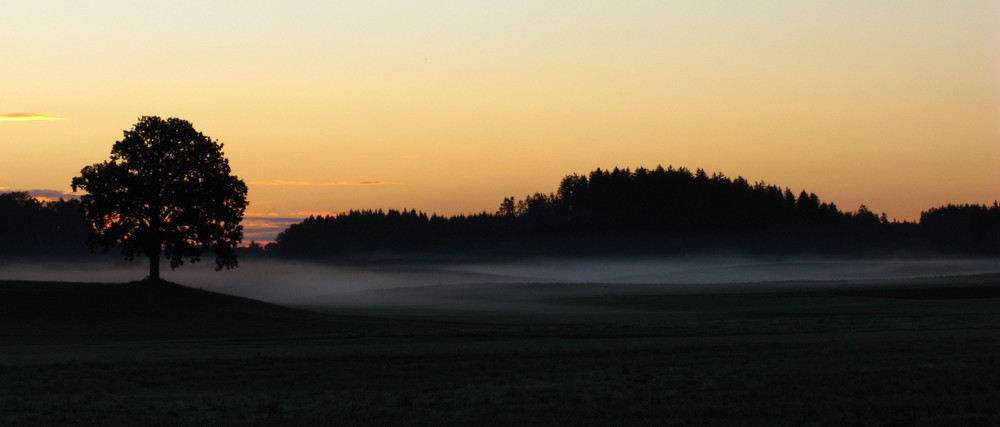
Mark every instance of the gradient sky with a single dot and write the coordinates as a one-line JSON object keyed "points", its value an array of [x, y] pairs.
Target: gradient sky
{"points": [[449, 106]]}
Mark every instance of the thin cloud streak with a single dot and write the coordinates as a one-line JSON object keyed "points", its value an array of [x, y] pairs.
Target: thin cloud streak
{"points": [[328, 184], [315, 213], [265, 226], [261, 215], [281, 182], [53, 195], [291, 216], [266, 229], [46, 195], [340, 183], [28, 117]]}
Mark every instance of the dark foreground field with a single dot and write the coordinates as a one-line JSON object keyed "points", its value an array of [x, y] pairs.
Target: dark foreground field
{"points": [[915, 352]]}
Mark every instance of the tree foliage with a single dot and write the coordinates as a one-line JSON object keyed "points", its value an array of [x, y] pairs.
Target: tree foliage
{"points": [[166, 189]]}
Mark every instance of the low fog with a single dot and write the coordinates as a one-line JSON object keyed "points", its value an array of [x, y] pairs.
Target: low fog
{"points": [[521, 285]]}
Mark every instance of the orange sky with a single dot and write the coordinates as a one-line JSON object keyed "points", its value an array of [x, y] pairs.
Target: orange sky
{"points": [[449, 107]]}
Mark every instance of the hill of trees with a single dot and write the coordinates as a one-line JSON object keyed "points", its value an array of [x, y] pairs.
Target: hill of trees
{"points": [[617, 212], [659, 211]]}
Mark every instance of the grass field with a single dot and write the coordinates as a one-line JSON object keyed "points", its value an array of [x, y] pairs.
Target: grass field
{"points": [[890, 352]]}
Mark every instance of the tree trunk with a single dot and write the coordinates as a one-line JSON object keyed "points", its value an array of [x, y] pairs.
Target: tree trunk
{"points": [[154, 265]]}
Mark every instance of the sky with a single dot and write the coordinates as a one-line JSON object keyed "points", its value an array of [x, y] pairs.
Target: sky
{"points": [[450, 106]]}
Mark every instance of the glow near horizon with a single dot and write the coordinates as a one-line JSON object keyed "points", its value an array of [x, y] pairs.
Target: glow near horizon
{"points": [[457, 105]]}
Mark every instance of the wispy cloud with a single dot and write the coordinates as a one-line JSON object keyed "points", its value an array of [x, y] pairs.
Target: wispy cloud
{"points": [[52, 195], [261, 215], [315, 213], [27, 117], [265, 226], [291, 216], [46, 195], [281, 182], [362, 183], [329, 184]]}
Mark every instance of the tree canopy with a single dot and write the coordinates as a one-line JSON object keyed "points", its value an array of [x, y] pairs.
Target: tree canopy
{"points": [[167, 189]]}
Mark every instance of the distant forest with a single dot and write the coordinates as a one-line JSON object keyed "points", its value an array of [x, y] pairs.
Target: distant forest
{"points": [[618, 212], [648, 212], [32, 228]]}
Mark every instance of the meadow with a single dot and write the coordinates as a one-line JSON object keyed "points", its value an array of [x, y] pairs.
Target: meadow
{"points": [[900, 351]]}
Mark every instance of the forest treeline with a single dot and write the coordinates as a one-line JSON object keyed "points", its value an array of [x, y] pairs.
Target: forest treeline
{"points": [[662, 211], [659, 211], [30, 227]]}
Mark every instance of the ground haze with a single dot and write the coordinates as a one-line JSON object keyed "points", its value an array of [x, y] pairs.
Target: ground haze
{"points": [[870, 352]]}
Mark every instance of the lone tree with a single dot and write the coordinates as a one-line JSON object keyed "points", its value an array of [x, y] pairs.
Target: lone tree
{"points": [[166, 190]]}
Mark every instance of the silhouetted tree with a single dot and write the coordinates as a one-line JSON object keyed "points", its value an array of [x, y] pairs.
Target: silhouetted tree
{"points": [[507, 207], [167, 189]]}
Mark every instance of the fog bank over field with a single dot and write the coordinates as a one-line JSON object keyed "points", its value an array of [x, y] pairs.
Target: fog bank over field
{"points": [[496, 285]]}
